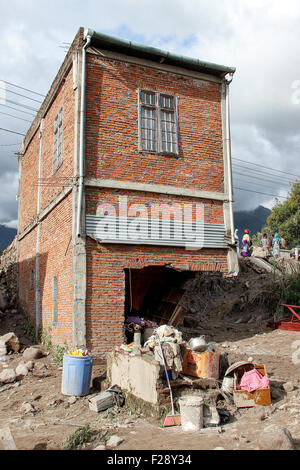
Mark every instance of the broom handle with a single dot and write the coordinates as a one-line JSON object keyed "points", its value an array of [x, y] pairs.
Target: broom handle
{"points": [[169, 385]]}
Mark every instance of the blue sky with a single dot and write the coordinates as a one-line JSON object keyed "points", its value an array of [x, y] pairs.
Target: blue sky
{"points": [[259, 37]]}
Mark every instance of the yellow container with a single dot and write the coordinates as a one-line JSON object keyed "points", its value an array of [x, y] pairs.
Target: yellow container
{"points": [[204, 365]]}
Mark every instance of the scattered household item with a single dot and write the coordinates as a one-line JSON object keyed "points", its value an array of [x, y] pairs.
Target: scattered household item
{"points": [[171, 419], [227, 385], [76, 376], [79, 352], [211, 416], [203, 365], [244, 398], [198, 344], [191, 412], [253, 380], [107, 399], [292, 323], [148, 331], [136, 349]]}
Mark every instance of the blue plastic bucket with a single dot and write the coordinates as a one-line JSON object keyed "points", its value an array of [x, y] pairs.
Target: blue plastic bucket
{"points": [[76, 377]]}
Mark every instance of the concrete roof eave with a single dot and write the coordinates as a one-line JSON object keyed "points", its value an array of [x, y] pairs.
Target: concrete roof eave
{"points": [[114, 44]]}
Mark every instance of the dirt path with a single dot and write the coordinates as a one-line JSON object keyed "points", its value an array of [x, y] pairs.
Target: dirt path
{"points": [[54, 419]]}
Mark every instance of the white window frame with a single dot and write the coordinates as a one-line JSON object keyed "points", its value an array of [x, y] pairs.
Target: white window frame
{"points": [[58, 140], [158, 109]]}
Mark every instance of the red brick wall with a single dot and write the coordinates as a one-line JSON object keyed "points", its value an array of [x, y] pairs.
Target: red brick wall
{"points": [[56, 250], [27, 260], [55, 259], [53, 183], [213, 210], [29, 186], [112, 127], [106, 283]]}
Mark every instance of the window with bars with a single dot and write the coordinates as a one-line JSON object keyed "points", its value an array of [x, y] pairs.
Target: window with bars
{"points": [[32, 280], [54, 300], [158, 122], [58, 139]]}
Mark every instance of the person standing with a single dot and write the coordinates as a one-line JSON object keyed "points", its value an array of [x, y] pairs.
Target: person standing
{"points": [[237, 242], [247, 238], [245, 250], [276, 246], [283, 243]]}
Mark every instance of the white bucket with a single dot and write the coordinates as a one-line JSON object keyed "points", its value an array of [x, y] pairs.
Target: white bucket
{"points": [[191, 412]]}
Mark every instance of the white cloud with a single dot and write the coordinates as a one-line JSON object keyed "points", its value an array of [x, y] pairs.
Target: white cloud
{"points": [[259, 37]]}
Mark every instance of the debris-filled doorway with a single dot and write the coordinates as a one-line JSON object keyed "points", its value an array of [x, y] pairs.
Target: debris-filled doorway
{"points": [[153, 295]]}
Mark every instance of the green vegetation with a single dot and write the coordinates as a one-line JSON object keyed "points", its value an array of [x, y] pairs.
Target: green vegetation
{"points": [[284, 219], [30, 331], [285, 290], [80, 437], [56, 350]]}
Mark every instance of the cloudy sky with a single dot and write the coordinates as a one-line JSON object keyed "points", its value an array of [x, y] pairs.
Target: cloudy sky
{"points": [[261, 38]]}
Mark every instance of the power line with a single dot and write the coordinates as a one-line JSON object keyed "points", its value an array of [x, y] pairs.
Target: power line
{"points": [[13, 132], [8, 145], [268, 168], [22, 105], [16, 117], [250, 191], [263, 179], [261, 172], [19, 94], [15, 109], [25, 89]]}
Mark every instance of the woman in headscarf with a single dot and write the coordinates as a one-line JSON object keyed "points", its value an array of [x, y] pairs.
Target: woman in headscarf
{"points": [[237, 242], [276, 246], [245, 250]]}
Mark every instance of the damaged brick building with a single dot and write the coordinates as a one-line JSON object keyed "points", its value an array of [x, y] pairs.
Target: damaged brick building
{"points": [[127, 158]]}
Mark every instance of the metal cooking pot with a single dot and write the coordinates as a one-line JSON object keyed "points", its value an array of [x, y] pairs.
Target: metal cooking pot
{"points": [[198, 344]]}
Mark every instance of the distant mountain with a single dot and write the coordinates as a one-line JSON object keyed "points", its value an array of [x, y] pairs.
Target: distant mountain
{"points": [[253, 220], [6, 236]]}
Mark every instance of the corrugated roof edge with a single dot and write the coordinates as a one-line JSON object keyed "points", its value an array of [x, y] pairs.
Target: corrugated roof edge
{"points": [[132, 48]]}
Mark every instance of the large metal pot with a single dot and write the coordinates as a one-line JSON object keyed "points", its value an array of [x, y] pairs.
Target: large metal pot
{"points": [[198, 344]]}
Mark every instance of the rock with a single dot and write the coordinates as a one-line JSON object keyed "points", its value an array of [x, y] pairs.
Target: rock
{"points": [[11, 342], [219, 448], [72, 400], [275, 438], [21, 370], [100, 447], [259, 252], [27, 408], [7, 376], [32, 353], [288, 386], [29, 365], [114, 441], [40, 366]]}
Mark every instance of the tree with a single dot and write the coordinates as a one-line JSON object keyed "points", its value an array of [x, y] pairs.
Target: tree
{"points": [[285, 217]]}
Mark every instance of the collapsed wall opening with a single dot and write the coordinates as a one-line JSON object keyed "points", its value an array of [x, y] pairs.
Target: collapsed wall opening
{"points": [[154, 294]]}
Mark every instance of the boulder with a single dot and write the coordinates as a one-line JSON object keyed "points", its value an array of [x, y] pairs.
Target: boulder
{"points": [[100, 447], [275, 438], [259, 252], [11, 342], [288, 386], [114, 441], [32, 353], [29, 365], [7, 376], [21, 370], [27, 408]]}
